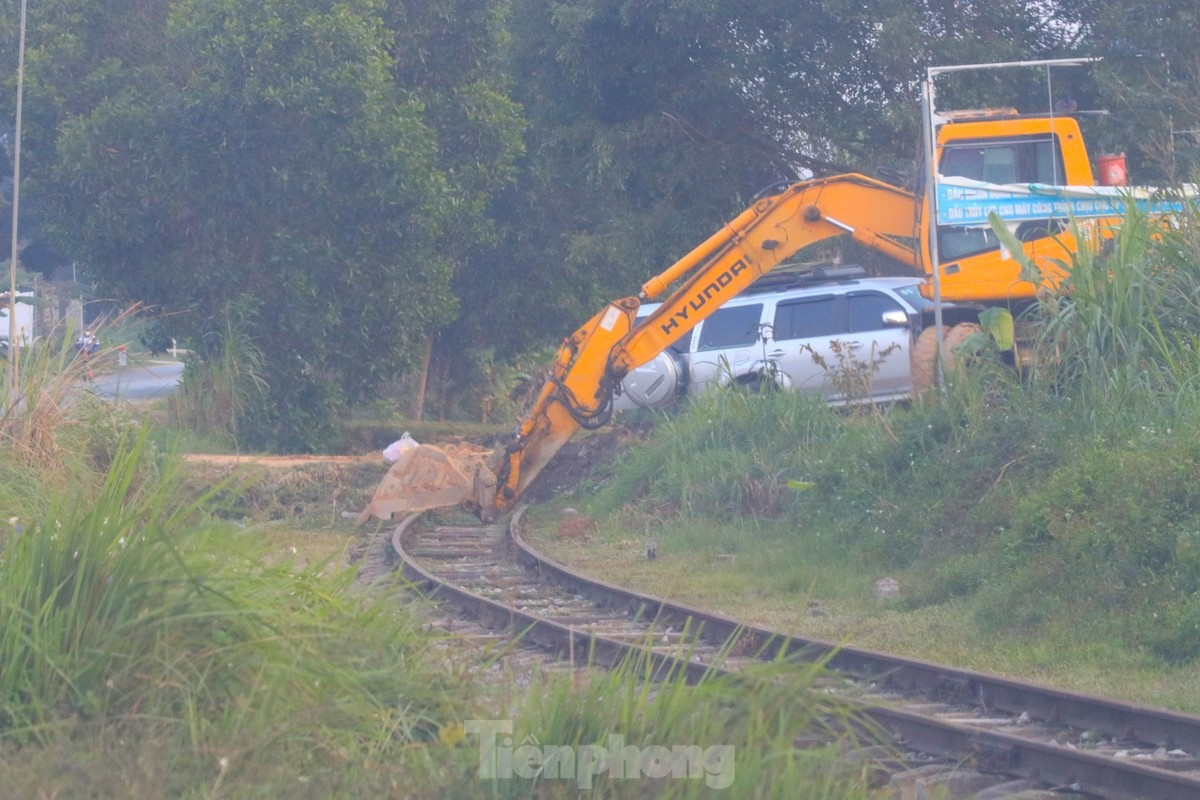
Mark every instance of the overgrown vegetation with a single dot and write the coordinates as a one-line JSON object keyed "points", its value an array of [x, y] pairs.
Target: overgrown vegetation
{"points": [[223, 380], [1061, 498], [127, 613], [150, 648], [675, 740], [35, 423]]}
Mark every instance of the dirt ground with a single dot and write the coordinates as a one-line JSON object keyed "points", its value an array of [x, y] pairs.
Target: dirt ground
{"points": [[295, 487], [276, 461], [579, 459]]}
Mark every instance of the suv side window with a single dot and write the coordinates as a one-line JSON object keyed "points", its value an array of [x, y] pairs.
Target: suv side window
{"points": [[679, 346], [804, 319], [732, 326], [865, 310]]}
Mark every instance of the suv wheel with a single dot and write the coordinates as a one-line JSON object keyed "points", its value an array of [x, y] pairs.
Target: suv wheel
{"points": [[759, 383]]}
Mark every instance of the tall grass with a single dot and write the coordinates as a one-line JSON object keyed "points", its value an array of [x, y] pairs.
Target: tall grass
{"points": [[130, 623], [1123, 333], [667, 738], [221, 381], [128, 610], [731, 454], [68, 582], [173, 652], [41, 411]]}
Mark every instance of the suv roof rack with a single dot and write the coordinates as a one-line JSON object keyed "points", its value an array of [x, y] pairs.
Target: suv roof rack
{"points": [[805, 275]]}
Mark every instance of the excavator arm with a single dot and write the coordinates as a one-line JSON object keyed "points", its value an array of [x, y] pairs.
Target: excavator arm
{"points": [[592, 361]]}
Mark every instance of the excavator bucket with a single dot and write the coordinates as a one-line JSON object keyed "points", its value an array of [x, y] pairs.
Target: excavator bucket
{"points": [[426, 477]]}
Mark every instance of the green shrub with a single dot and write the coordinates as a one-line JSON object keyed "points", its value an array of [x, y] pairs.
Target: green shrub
{"points": [[730, 454], [1026, 599], [222, 383], [957, 576], [1172, 631], [130, 605], [297, 413]]}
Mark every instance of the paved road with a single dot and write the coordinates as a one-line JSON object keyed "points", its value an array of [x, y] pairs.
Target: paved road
{"points": [[145, 380]]}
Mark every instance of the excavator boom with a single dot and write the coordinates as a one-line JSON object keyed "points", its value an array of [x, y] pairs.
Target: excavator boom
{"points": [[592, 361], [992, 146]]}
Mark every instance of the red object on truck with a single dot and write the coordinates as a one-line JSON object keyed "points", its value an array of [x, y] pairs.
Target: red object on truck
{"points": [[1112, 170]]}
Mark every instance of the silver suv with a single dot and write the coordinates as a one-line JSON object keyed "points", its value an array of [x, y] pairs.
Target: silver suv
{"points": [[832, 332]]}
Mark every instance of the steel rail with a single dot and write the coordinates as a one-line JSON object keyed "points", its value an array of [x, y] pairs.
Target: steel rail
{"points": [[1129, 721], [1050, 763], [533, 628]]}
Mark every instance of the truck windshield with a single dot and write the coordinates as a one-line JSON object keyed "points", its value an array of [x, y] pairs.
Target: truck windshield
{"points": [[1026, 159]]}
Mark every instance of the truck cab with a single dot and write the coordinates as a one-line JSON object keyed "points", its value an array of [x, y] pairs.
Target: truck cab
{"points": [[1003, 147]]}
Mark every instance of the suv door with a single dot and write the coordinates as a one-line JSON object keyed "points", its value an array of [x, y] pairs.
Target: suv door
{"points": [[841, 347], [884, 347], [802, 332], [728, 345]]}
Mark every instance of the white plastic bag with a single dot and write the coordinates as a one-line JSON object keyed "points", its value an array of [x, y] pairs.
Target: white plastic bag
{"points": [[393, 451]]}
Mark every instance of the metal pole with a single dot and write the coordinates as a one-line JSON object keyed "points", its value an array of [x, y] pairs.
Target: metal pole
{"points": [[1053, 62], [14, 345], [928, 129]]}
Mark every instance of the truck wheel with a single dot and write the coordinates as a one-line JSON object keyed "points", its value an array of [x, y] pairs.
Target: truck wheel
{"points": [[953, 339], [924, 362], [924, 354]]}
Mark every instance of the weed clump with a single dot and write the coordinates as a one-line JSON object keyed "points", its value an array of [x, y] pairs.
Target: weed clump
{"points": [[129, 609]]}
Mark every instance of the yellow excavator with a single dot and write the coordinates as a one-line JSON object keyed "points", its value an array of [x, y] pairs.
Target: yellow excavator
{"points": [[996, 146]]}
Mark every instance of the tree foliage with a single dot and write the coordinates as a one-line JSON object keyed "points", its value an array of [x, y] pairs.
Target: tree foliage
{"points": [[263, 155], [359, 177], [651, 123], [1149, 82]]}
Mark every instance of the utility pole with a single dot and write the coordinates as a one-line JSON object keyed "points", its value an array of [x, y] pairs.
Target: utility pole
{"points": [[929, 126], [14, 342]]}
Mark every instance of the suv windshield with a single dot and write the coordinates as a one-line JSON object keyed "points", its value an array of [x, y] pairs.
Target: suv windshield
{"points": [[912, 295]]}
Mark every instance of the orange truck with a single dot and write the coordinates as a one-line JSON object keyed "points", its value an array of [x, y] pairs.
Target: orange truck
{"points": [[974, 271]]}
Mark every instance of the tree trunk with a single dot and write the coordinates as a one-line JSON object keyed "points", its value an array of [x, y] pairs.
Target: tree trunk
{"points": [[416, 407]]}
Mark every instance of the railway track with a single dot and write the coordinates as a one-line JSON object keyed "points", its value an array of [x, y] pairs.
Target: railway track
{"points": [[1007, 732]]}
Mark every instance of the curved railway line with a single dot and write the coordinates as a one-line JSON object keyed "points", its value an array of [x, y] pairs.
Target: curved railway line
{"points": [[1006, 732]]}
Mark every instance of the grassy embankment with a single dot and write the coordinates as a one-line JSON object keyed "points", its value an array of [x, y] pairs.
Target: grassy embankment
{"points": [[162, 643], [1044, 524], [161, 636]]}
